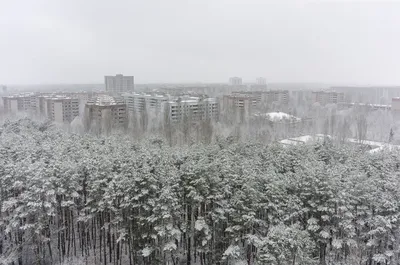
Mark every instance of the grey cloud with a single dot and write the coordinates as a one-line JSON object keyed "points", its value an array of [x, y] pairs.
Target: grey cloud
{"points": [[58, 41]]}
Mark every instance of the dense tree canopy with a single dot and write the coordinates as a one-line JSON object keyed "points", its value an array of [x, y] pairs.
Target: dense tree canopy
{"points": [[109, 200]]}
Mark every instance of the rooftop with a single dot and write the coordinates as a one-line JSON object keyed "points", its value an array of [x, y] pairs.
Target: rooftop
{"points": [[277, 116], [105, 100]]}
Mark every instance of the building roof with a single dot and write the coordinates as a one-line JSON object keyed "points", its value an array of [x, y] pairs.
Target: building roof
{"points": [[277, 116], [105, 100]]}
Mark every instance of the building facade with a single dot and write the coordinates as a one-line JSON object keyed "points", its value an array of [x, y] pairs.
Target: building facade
{"points": [[261, 81], [119, 83], [192, 108], [238, 107], [328, 97], [61, 109], [105, 113], [235, 81], [145, 102], [18, 103]]}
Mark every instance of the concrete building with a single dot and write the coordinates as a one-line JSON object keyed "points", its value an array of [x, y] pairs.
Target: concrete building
{"points": [[279, 96], [18, 103], [267, 97], [235, 81], [105, 113], [119, 83], [328, 97], [60, 109], [145, 102], [239, 106], [193, 108], [261, 81]]}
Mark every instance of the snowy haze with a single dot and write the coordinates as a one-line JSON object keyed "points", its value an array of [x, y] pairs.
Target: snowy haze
{"points": [[71, 41]]}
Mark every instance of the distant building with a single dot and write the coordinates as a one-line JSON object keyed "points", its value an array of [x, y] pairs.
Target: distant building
{"points": [[268, 96], [261, 81], [235, 81], [105, 113], [328, 97], [119, 83], [279, 96]]}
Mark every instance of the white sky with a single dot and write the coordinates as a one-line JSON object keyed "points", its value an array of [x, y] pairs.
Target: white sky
{"points": [[80, 41]]}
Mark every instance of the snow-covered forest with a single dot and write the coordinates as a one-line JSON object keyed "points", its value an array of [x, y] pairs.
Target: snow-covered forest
{"points": [[84, 199]]}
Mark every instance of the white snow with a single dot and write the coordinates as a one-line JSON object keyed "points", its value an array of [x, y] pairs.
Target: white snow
{"points": [[200, 225], [376, 146], [146, 251], [232, 251], [278, 116]]}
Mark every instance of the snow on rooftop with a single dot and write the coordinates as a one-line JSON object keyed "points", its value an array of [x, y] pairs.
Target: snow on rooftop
{"points": [[277, 116]]}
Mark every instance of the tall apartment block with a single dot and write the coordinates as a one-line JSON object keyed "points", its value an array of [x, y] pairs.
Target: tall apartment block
{"points": [[328, 97], [235, 81], [119, 83], [106, 112]]}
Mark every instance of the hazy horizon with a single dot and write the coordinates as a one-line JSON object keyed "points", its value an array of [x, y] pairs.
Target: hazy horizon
{"points": [[75, 42]]}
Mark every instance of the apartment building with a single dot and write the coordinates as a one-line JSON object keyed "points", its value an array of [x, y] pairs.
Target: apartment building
{"points": [[328, 97], [106, 112], [261, 81], [240, 106], [18, 103], [193, 108], [60, 109], [268, 96], [119, 83], [145, 102], [235, 81]]}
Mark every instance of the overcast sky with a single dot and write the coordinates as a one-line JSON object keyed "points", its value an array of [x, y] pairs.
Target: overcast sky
{"points": [[80, 41]]}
